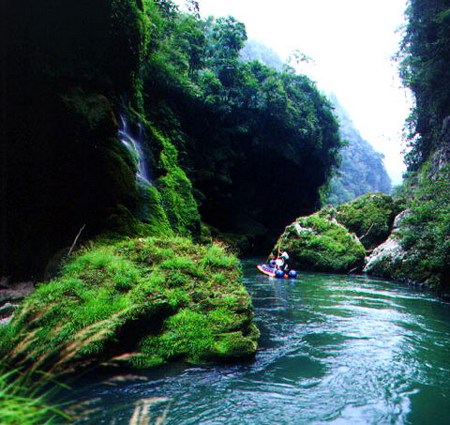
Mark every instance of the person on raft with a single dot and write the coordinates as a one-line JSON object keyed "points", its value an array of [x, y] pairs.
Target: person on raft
{"points": [[282, 261], [273, 262]]}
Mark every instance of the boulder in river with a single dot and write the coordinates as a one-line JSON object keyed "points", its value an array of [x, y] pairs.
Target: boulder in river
{"points": [[139, 302], [320, 243]]}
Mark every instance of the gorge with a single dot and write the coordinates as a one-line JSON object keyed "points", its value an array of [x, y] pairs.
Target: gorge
{"points": [[141, 156]]}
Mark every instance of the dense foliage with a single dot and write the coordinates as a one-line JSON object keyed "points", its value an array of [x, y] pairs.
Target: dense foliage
{"points": [[233, 120], [361, 169], [425, 69], [425, 232]]}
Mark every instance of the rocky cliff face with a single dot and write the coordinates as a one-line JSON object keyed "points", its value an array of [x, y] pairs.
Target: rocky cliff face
{"points": [[70, 70], [441, 157], [418, 249]]}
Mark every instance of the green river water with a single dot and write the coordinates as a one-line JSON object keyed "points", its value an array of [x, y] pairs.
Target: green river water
{"points": [[333, 350]]}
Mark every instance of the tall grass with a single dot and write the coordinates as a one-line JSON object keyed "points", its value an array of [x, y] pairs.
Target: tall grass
{"points": [[23, 402]]}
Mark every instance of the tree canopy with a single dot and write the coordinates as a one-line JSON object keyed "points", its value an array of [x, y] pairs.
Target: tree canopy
{"points": [[235, 121]]}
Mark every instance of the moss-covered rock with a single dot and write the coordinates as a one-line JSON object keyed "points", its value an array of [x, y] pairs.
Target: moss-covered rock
{"points": [[418, 249], [370, 217], [176, 189], [151, 212], [142, 301], [320, 244]]}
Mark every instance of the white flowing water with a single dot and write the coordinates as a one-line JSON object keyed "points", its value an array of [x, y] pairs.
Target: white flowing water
{"points": [[134, 146]]}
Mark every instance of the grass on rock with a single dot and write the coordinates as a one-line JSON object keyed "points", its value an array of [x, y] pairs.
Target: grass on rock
{"points": [[141, 301]]}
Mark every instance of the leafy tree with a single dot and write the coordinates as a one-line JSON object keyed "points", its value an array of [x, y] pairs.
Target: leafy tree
{"points": [[228, 37]]}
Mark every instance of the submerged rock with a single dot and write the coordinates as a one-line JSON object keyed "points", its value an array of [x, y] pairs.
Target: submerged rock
{"points": [[11, 294], [15, 292], [140, 302]]}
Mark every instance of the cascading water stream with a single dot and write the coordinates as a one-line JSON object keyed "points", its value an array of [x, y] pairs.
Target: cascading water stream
{"points": [[134, 146]]}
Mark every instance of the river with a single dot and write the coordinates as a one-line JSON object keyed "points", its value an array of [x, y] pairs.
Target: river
{"points": [[333, 349]]}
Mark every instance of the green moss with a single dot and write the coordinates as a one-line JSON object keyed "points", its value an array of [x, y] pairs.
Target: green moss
{"points": [[188, 334], [370, 217], [122, 223], [234, 344], [214, 258], [120, 170], [180, 299], [131, 27], [176, 191], [152, 213], [315, 243], [94, 110], [199, 336]]}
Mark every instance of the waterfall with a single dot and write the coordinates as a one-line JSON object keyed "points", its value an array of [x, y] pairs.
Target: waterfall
{"points": [[134, 146]]}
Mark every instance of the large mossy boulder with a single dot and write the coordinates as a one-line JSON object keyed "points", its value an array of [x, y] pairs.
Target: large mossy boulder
{"points": [[141, 302], [320, 244], [370, 217]]}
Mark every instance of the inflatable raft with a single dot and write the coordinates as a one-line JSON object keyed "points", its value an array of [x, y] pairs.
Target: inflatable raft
{"points": [[276, 273]]}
